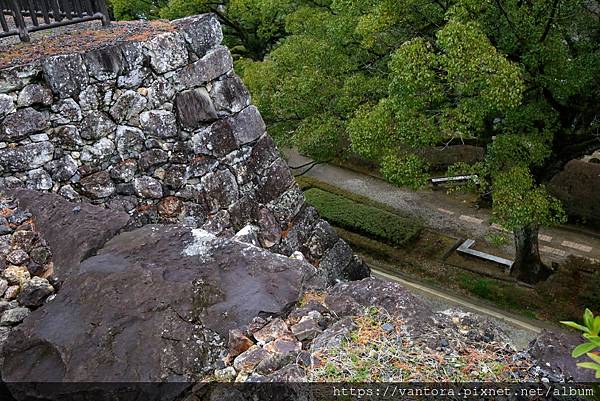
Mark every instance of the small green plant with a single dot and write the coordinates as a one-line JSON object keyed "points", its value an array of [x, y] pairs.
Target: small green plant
{"points": [[591, 331], [497, 239]]}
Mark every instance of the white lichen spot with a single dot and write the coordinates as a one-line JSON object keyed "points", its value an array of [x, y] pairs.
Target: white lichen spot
{"points": [[201, 245]]}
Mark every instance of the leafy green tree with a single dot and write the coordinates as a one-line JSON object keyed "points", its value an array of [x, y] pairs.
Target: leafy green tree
{"points": [[389, 78]]}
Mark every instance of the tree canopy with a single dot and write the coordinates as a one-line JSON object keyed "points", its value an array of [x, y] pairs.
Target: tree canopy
{"points": [[389, 78]]}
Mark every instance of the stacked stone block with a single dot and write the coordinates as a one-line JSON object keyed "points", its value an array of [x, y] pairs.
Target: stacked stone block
{"points": [[164, 130]]}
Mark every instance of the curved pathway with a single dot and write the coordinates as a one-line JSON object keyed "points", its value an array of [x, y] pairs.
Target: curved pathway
{"points": [[448, 214]]}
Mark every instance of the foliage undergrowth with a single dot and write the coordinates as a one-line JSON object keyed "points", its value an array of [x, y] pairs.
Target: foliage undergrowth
{"points": [[364, 219]]}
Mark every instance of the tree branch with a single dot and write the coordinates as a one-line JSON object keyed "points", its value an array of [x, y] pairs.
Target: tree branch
{"points": [[550, 20]]}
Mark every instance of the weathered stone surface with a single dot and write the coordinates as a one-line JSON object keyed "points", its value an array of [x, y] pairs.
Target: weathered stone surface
{"points": [[220, 188], [26, 157], [7, 105], [14, 316], [159, 123], [99, 152], [104, 64], [97, 185], [34, 94], [147, 187], [128, 105], [24, 122], [215, 63], [167, 52], [66, 111], [306, 329], [248, 360], [217, 140], [201, 32], [136, 271], [52, 213], [283, 346], [133, 55], [66, 74], [194, 107], [151, 158], [96, 125], [3, 286], [351, 298], [238, 342], [16, 275], [34, 292], [248, 235], [552, 352], [229, 95], [332, 337], [277, 328], [129, 141], [67, 137], [16, 78], [39, 180], [277, 181]]}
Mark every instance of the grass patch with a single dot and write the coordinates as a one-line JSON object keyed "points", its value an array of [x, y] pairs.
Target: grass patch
{"points": [[375, 223]]}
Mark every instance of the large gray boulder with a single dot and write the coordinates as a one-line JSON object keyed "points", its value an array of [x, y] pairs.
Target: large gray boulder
{"points": [[154, 305]]}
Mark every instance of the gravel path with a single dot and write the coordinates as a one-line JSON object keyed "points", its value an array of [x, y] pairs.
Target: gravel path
{"points": [[446, 213]]}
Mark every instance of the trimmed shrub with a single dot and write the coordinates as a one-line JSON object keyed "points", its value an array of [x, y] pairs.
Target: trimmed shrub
{"points": [[363, 219], [578, 187]]}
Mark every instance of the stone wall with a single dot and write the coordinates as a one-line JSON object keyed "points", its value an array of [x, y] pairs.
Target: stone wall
{"points": [[163, 129]]}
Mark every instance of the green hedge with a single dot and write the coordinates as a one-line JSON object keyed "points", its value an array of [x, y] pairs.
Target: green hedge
{"points": [[363, 219]]}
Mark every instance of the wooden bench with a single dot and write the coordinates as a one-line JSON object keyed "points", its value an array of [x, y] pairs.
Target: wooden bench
{"points": [[465, 248], [459, 178]]}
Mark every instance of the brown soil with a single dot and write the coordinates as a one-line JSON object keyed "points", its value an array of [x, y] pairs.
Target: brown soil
{"points": [[75, 39]]}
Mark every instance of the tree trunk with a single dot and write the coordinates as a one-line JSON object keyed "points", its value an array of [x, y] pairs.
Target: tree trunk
{"points": [[528, 266]]}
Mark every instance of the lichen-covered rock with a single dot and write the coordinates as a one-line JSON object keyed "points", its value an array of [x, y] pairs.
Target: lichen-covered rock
{"points": [[230, 95], [62, 169], [167, 52], [35, 94], [220, 188], [96, 125], [104, 64], [14, 316], [7, 105], [128, 105], [194, 107], [215, 63], [66, 111], [34, 292], [66, 74], [26, 157], [129, 141], [24, 122], [159, 123], [99, 152], [201, 32], [97, 185], [147, 187], [39, 180]]}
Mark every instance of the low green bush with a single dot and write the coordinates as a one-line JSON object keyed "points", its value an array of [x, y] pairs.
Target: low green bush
{"points": [[364, 219], [306, 182]]}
